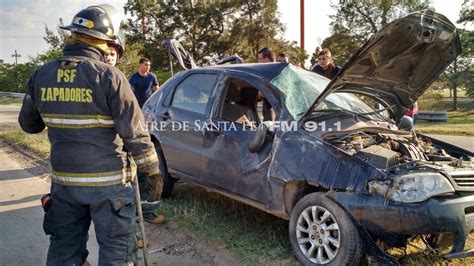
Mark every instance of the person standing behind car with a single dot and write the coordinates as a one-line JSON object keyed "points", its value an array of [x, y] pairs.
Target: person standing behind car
{"points": [[413, 112], [326, 66], [266, 55], [283, 58], [143, 82], [92, 117]]}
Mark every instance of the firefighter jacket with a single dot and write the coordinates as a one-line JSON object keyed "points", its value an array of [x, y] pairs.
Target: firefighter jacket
{"points": [[92, 116]]}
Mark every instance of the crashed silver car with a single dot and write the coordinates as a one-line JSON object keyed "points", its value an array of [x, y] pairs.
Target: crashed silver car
{"points": [[347, 178]]}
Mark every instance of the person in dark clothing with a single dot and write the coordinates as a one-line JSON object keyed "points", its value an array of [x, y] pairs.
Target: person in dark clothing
{"points": [[326, 66], [283, 58], [92, 117], [143, 82], [266, 55]]}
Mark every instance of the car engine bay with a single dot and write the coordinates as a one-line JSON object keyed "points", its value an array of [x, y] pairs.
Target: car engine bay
{"points": [[385, 150]]}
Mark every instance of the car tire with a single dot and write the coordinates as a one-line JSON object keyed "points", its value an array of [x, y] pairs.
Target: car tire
{"points": [[321, 233], [168, 181]]}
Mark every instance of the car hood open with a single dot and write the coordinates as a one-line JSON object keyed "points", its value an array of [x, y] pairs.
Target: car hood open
{"points": [[400, 62]]}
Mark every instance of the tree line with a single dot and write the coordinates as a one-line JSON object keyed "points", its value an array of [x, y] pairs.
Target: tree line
{"points": [[211, 30]]}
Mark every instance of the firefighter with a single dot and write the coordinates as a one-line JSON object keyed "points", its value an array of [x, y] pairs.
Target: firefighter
{"points": [[92, 116], [151, 212], [116, 49]]}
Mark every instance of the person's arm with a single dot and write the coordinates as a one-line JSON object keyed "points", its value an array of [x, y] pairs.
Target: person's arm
{"points": [[131, 81], [131, 127], [156, 85], [29, 119]]}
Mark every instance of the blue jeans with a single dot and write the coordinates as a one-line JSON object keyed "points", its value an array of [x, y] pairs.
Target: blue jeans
{"points": [[110, 208]]}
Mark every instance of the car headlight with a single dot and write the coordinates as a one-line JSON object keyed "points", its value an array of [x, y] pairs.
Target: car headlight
{"points": [[412, 187]]}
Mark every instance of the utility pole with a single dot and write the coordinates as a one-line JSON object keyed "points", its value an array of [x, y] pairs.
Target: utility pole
{"points": [[302, 24], [16, 55]]}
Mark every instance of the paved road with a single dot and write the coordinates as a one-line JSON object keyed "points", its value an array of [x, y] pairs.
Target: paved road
{"points": [[22, 240], [461, 141], [9, 113]]}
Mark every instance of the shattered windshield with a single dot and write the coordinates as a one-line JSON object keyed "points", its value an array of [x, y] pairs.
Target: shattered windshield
{"points": [[301, 88]]}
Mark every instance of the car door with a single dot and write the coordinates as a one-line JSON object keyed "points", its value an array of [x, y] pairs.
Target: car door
{"points": [[226, 161], [182, 139]]}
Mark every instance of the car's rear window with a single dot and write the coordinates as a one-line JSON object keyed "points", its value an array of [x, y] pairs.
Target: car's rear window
{"points": [[192, 94]]}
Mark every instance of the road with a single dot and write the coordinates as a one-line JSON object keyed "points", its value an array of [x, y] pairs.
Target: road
{"points": [[20, 208], [23, 241], [461, 141], [9, 113]]}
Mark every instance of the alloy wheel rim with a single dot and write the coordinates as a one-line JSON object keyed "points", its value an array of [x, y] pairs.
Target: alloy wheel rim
{"points": [[318, 234]]}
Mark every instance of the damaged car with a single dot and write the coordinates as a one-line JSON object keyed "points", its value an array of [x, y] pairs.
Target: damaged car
{"points": [[349, 179]]}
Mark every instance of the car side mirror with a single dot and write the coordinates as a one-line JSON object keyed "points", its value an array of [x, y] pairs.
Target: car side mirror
{"points": [[260, 135], [406, 123]]}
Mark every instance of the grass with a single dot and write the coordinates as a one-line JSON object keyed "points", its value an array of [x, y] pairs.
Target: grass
{"points": [[163, 76], [250, 234], [10, 100], [459, 123], [417, 253], [253, 236], [38, 143], [445, 93]]}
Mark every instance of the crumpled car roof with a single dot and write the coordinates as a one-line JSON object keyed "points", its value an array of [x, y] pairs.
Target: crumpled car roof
{"points": [[264, 70]]}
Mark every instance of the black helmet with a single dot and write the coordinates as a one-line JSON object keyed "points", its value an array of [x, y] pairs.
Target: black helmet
{"points": [[100, 22], [118, 43]]}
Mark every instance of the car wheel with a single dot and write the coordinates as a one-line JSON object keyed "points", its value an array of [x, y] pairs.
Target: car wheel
{"points": [[322, 233], [168, 181]]}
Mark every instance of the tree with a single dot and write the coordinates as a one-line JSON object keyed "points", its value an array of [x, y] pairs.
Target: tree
{"points": [[356, 21], [461, 72], [13, 78], [55, 40], [204, 36], [341, 44], [466, 17], [222, 28], [129, 61]]}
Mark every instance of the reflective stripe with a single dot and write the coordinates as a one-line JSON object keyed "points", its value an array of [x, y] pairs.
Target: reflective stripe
{"points": [[147, 157], [156, 202], [93, 179], [147, 160], [77, 121]]}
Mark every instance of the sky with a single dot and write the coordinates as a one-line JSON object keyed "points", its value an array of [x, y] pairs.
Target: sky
{"points": [[23, 21]]}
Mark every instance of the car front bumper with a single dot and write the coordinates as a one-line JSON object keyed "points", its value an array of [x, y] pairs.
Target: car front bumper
{"points": [[394, 222]]}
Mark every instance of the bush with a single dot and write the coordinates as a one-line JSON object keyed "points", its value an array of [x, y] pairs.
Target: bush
{"points": [[431, 100], [13, 78]]}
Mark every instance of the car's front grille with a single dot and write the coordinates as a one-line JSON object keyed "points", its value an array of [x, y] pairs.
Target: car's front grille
{"points": [[464, 179]]}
